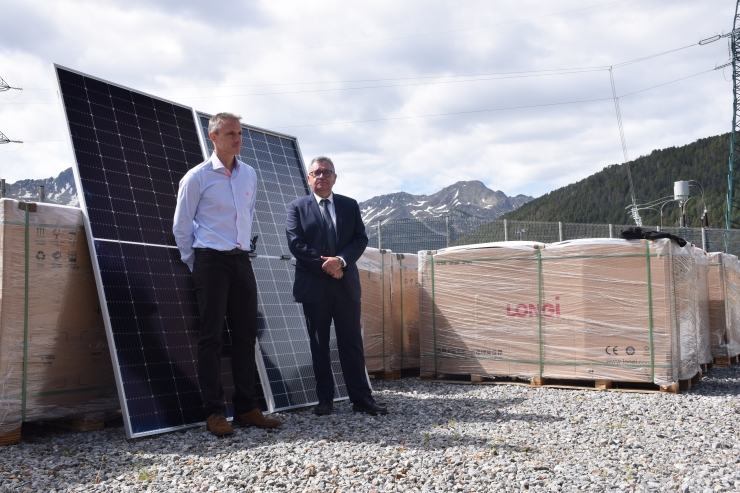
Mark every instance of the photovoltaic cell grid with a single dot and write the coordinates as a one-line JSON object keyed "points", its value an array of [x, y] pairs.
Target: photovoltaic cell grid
{"points": [[283, 339], [130, 152]]}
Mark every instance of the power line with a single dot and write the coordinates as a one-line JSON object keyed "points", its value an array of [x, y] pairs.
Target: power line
{"points": [[485, 110], [354, 43], [535, 72], [515, 74], [386, 85]]}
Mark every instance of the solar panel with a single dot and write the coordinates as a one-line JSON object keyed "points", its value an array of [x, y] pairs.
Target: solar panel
{"points": [[130, 152], [282, 336]]}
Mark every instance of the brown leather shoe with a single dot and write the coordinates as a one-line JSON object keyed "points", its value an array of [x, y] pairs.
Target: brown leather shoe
{"points": [[217, 424], [255, 418]]}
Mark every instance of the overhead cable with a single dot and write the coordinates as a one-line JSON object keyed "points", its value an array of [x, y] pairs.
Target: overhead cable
{"points": [[484, 110]]}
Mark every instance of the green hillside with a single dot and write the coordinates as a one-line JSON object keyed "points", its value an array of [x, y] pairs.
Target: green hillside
{"points": [[602, 197]]}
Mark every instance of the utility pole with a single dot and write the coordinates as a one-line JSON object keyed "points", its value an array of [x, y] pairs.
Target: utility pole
{"points": [[4, 86], [6, 140], [732, 215]]}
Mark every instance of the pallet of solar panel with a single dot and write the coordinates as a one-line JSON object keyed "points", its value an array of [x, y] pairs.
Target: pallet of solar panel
{"points": [[723, 310], [375, 279], [405, 311], [618, 310], [597, 310], [54, 358], [478, 310], [702, 307]]}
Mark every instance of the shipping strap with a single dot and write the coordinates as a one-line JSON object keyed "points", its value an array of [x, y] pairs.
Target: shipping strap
{"points": [[650, 310], [434, 316], [539, 303], [382, 295], [25, 323], [400, 292]]}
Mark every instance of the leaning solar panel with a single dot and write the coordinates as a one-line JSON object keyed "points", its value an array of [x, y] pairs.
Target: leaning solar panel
{"points": [[283, 339], [130, 152]]}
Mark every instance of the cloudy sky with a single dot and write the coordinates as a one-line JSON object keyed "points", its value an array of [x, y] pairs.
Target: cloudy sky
{"points": [[409, 95]]}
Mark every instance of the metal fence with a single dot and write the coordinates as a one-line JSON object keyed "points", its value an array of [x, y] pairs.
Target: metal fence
{"points": [[412, 235]]}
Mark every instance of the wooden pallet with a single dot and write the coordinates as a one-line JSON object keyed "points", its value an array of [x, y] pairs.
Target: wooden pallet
{"points": [[725, 362], [11, 437], [602, 385], [78, 424], [385, 375]]}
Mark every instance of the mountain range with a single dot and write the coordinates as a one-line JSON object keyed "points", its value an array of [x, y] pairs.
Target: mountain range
{"points": [[600, 198], [471, 198], [60, 190]]}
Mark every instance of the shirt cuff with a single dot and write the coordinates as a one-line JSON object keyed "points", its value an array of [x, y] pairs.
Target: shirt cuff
{"points": [[344, 264]]}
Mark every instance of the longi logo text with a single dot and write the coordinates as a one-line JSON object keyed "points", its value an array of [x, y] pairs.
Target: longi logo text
{"points": [[522, 310]]}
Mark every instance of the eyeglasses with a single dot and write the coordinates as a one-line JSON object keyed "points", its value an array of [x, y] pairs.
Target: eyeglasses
{"points": [[321, 172]]}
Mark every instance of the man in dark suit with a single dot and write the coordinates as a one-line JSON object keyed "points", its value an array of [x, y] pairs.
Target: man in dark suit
{"points": [[326, 235]]}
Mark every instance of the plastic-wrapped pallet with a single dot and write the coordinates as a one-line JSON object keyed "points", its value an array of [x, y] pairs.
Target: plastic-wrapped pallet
{"points": [[375, 279], [602, 309], [54, 357], [405, 310], [702, 305], [724, 296], [476, 310]]}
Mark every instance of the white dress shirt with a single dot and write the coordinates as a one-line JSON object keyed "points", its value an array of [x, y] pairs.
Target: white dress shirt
{"points": [[215, 208]]}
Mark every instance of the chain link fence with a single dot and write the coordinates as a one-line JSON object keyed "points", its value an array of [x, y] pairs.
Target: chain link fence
{"points": [[412, 235]]}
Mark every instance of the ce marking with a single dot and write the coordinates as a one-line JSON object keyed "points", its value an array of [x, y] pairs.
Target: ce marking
{"points": [[613, 351]]}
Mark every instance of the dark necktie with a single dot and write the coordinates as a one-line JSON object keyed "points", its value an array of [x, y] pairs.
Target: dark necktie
{"points": [[331, 233]]}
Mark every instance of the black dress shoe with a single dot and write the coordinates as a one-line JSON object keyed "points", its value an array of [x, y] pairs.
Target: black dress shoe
{"points": [[323, 408], [369, 406]]}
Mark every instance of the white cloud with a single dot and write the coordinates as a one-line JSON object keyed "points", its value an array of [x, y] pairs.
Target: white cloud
{"points": [[213, 59]]}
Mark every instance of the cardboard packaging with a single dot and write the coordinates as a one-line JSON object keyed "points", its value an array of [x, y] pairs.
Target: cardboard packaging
{"points": [[724, 295], [376, 321], [477, 305], [602, 309], [702, 305], [405, 310], [54, 357]]}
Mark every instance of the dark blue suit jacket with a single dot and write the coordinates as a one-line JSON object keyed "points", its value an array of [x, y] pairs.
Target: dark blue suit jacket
{"points": [[304, 227]]}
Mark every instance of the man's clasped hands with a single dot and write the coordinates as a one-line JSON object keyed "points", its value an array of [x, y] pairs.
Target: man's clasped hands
{"points": [[333, 267]]}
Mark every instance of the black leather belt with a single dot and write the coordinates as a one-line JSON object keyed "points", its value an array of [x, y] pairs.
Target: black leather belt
{"points": [[234, 251]]}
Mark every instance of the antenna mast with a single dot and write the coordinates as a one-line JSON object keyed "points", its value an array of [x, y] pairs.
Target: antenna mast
{"points": [[634, 211]]}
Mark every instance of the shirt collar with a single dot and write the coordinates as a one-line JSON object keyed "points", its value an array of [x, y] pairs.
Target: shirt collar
{"points": [[216, 162], [330, 198]]}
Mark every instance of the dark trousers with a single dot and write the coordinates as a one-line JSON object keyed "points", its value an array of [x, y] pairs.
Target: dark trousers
{"points": [[345, 312], [226, 288]]}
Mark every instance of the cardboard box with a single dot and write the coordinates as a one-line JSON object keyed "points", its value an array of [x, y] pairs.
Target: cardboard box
{"points": [[375, 280], [702, 306], [54, 357], [585, 309], [724, 312], [477, 310], [405, 310]]}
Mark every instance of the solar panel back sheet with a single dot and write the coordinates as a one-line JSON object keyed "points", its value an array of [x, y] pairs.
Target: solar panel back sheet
{"points": [[131, 150]]}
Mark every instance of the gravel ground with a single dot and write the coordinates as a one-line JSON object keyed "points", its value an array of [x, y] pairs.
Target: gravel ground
{"points": [[439, 437]]}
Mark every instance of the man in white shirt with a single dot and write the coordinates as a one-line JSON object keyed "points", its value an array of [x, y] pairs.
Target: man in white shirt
{"points": [[213, 228]]}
